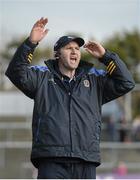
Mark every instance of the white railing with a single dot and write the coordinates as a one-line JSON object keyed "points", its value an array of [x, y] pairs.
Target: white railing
{"points": [[103, 145], [15, 125], [119, 145], [15, 145]]}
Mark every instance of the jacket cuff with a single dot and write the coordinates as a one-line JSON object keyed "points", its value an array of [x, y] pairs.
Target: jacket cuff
{"points": [[30, 44], [109, 61], [106, 57]]}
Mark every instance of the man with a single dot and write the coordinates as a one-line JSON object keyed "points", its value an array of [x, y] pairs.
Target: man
{"points": [[68, 94]]}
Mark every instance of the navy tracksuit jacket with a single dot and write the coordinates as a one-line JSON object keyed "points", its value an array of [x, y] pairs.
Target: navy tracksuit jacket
{"points": [[67, 123]]}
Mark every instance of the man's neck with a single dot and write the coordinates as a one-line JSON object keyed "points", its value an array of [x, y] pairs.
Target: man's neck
{"points": [[68, 73]]}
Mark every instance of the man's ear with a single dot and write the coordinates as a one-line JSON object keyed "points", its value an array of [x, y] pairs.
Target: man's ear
{"points": [[57, 55]]}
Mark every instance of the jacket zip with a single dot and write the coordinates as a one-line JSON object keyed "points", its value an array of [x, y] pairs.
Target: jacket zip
{"points": [[69, 93]]}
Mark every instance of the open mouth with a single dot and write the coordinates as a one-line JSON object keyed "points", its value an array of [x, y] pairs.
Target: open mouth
{"points": [[73, 59]]}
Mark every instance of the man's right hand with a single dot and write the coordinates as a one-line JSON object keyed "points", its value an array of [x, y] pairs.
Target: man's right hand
{"points": [[38, 32]]}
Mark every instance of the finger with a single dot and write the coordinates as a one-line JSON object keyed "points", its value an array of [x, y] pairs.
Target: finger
{"points": [[37, 23], [46, 31], [45, 21], [42, 23], [88, 43], [92, 43], [95, 44], [41, 19], [88, 50]]}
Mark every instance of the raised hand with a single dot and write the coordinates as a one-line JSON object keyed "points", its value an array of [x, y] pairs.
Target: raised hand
{"points": [[95, 49], [38, 31]]}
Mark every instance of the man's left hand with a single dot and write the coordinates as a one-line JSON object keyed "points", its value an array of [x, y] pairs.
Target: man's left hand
{"points": [[95, 49]]}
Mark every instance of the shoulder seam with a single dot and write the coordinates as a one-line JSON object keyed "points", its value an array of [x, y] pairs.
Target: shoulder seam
{"points": [[39, 68], [97, 72]]}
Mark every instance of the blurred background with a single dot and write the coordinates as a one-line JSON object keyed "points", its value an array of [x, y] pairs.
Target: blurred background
{"points": [[115, 24]]}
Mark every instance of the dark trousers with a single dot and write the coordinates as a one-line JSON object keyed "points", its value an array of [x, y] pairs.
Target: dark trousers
{"points": [[66, 170]]}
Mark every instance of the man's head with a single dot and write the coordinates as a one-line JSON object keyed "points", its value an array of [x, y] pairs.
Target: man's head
{"points": [[67, 50], [64, 40]]}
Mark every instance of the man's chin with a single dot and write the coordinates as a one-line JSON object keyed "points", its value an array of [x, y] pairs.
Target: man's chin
{"points": [[72, 68]]}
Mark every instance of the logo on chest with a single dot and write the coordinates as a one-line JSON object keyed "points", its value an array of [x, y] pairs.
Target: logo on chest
{"points": [[86, 83]]}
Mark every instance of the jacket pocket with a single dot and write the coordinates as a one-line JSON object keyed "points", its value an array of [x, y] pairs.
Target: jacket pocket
{"points": [[98, 130], [38, 129], [49, 132]]}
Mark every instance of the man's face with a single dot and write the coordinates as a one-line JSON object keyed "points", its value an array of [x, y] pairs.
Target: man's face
{"points": [[70, 56]]}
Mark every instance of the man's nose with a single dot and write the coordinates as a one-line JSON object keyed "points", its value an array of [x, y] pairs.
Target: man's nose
{"points": [[73, 50]]}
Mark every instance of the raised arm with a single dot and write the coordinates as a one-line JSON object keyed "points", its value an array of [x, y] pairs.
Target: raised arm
{"points": [[118, 80], [19, 70]]}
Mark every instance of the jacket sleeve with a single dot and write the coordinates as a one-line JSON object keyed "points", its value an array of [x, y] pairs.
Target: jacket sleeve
{"points": [[118, 80], [20, 72]]}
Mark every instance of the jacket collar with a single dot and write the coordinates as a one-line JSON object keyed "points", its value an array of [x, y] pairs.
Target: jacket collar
{"points": [[83, 68]]}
